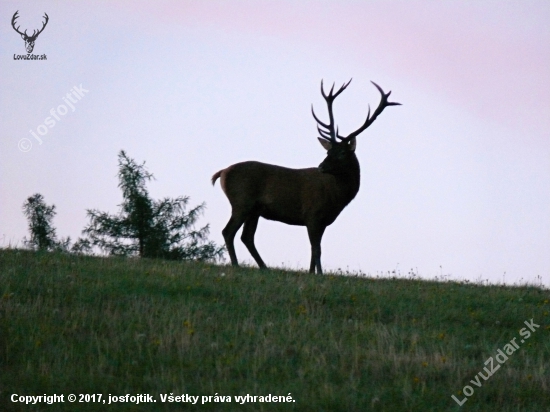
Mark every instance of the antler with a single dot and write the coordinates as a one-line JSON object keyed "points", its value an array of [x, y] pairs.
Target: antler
{"points": [[34, 33], [329, 134], [15, 16], [381, 106], [43, 26]]}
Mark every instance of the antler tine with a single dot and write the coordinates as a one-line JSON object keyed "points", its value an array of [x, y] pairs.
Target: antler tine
{"points": [[344, 86], [317, 119], [381, 106], [329, 134], [324, 134], [13, 19], [338, 134], [332, 89], [323, 90], [331, 96]]}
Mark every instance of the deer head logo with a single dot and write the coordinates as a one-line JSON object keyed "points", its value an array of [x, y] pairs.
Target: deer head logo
{"points": [[29, 40]]}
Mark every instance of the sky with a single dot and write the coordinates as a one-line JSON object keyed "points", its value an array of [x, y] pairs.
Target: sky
{"points": [[454, 183]]}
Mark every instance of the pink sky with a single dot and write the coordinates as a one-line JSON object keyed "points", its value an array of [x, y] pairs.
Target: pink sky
{"points": [[479, 45]]}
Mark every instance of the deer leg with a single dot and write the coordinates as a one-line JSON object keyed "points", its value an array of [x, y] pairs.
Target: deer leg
{"points": [[247, 237], [315, 234], [229, 232]]}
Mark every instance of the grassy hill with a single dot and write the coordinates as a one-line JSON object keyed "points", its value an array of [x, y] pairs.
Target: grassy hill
{"points": [[89, 325]]}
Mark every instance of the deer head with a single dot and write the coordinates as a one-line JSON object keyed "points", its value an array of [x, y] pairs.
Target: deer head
{"points": [[341, 152], [29, 40]]}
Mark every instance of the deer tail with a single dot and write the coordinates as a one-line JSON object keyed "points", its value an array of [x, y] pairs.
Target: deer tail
{"points": [[215, 177]]}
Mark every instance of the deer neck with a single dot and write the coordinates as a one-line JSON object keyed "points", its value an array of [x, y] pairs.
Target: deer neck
{"points": [[348, 179]]}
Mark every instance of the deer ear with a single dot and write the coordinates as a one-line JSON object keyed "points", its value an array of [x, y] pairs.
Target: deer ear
{"points": [[325, 143], [352, 144]]}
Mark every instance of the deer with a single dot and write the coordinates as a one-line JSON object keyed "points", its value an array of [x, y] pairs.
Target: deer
{"points": [[29, 40], [311, 197]]}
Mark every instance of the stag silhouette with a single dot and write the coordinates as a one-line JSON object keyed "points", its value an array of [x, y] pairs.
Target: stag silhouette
{"points": [[29, 40], [312, 197]]}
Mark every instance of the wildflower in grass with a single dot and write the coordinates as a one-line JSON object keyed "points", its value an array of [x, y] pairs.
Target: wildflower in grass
{"points": [[301, 310], [425, 364], [443, 359], [189, 328], [416, 379], [441, 336]]}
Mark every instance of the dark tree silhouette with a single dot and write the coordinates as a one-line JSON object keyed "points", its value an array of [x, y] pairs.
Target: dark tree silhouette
{"points": [[150, 228], [42, 231]]}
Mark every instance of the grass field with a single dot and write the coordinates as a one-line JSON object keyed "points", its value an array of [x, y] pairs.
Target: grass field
{"points": [[113, 326]]}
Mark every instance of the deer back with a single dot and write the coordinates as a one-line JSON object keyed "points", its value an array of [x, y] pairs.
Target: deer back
{"points": [[292, 196]]}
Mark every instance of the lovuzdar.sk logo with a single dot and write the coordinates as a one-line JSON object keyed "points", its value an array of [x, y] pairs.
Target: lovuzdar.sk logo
{"points": [[29, 39]]}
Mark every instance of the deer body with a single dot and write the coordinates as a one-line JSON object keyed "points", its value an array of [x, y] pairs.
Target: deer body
{"points": [[291, 196], [312, 197]]}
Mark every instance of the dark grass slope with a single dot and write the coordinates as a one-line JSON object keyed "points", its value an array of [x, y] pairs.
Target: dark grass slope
{"points": [[88, 325]]}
